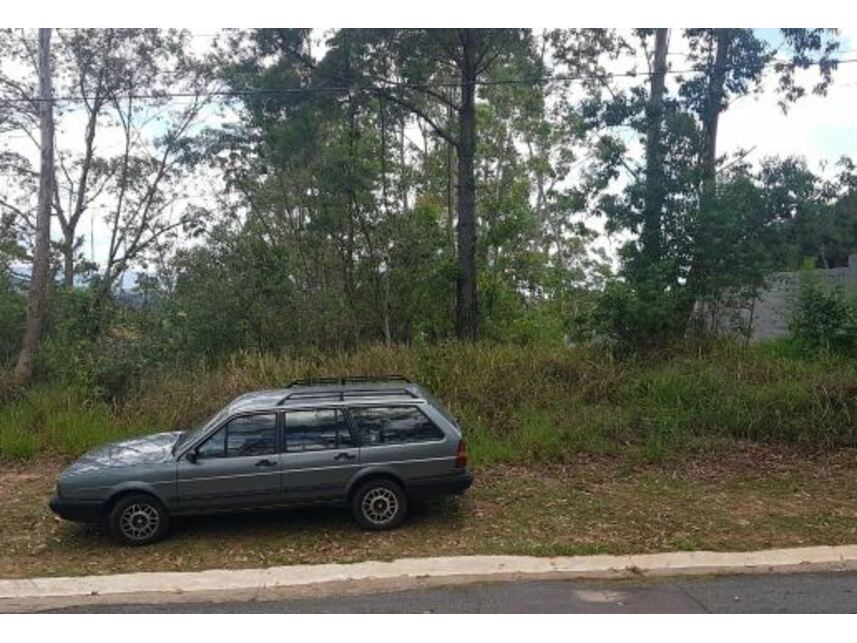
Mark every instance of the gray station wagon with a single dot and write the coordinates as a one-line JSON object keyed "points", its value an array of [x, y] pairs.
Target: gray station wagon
{"points": [[370, 443]]}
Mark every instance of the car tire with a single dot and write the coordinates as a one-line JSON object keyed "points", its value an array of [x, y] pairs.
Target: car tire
{"points": [[138, 519], [379, 504]]}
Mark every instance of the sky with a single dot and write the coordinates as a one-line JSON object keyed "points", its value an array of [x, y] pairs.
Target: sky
{"points": [[819, 129]]}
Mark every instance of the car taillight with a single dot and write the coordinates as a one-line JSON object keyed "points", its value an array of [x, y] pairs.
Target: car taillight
{"points": [[461, 455]]}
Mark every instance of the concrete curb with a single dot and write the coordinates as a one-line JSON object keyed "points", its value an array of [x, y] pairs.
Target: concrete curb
{"points": [[409, 572]]}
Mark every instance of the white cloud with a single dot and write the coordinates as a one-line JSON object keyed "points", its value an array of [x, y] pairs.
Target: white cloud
{"points": [[819, 128]]}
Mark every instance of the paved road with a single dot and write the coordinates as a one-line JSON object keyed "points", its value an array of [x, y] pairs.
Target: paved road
{"points": [[774, 593]]}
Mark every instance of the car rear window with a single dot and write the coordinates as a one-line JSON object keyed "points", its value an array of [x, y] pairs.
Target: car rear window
{"points": [[394, 425], [439, 407]]}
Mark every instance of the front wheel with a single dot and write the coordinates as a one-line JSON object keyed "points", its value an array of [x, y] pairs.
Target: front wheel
{"points": [[379, 504], [138, 519]]}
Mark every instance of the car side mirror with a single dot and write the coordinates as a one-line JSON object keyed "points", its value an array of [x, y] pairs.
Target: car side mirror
{"points": [[191, 456]]}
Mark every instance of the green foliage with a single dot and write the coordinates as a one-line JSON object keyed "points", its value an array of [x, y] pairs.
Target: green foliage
{"points": [[507, 315], [824, 319], [56, 420], [99, 352], [362, 212], [12, 313], [736, 394], [633, 318], [705, 233], [815, 219]]}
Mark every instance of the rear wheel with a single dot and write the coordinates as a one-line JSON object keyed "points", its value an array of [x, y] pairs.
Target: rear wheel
{"points": [[379, 504], [138, 519]]}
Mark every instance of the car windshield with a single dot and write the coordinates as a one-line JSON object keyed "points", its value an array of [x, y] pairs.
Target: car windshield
{"points": [[192, 434]]}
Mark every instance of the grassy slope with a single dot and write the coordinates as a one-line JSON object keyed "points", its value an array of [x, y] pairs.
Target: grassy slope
{"points": [[516, 404]]}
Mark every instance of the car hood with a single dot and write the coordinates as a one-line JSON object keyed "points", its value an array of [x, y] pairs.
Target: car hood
{"points": [[147, 449]]}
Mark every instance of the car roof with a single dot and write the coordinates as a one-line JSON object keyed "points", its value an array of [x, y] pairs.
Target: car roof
{"points": [[257, 400]]}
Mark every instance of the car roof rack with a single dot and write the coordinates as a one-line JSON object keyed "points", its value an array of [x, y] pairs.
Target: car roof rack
{"points": [[335, 387], [349, 379]]}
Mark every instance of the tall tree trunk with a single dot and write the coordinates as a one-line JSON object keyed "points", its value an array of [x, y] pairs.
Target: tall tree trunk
{"points": [[388, 333], [652, 235], [37, 294], [382, 127], [69, 226], [403, 164], [68, 259], [713, 108], [710, 119], [450, 182], [466, 304]]}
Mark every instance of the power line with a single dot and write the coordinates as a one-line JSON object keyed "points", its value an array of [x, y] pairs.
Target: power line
{"points": [[686, 53], [388, 85]]}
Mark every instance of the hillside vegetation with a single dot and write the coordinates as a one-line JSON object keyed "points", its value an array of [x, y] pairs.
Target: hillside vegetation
{"points": [[517, 404]]}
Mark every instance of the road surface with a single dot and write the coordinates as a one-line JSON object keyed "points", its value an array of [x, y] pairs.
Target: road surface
{"points": [[832, 592]]}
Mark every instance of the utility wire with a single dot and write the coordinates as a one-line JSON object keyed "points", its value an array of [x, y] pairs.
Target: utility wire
{"points": [[389, 85]]}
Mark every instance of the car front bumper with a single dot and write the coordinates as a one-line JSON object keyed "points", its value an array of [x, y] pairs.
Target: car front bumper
{"points": [[77, 510]]}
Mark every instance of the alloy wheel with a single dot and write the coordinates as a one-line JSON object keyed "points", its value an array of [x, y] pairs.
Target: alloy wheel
{"points": [[139, 521], [380, 505]]}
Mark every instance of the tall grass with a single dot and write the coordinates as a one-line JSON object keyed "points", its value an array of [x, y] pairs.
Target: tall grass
{"points": [[515, 403], [57, 420]]}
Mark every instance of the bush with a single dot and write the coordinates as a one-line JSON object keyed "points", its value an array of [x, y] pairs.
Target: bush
{"points": [[824, 319], [101, 350], [13, 311], [635, 319]]}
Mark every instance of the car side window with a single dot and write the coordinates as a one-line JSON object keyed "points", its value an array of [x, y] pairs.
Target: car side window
{"points": [[394, 425], [317, 430], [245, 436], [213, 447]]}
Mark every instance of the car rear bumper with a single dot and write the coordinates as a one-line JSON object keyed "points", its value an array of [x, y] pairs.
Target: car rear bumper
{"points": [[441, 485], [77, 510]]}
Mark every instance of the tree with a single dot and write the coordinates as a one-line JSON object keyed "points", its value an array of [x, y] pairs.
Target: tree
{"points": [[313, 168], [533, 159], [116, 81], [364, 92], [651, 234], [427, 60], [39, 281], [730, 63], [816, 218], [695, 240]]}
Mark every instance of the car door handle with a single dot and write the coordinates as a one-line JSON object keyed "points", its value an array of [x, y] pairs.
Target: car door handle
{"points": [[345, 456], [266, 463]]}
